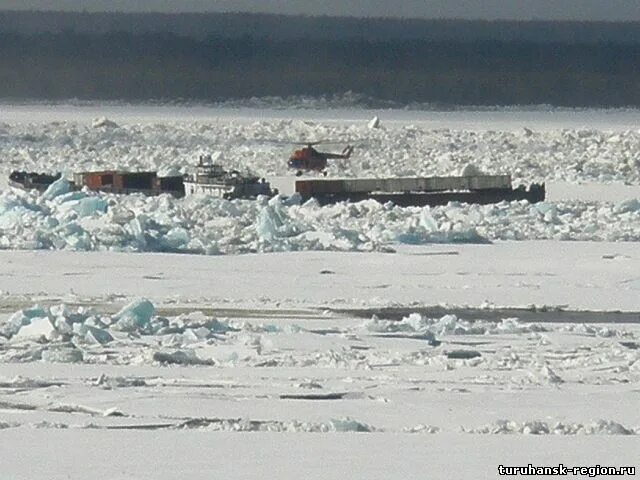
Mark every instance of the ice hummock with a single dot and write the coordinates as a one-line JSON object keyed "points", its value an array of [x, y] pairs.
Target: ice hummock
{"points": [[374, 123], [57, 188], [450, 325], [103, 122], [61, 334], [538, 427], [134, 316], [83, 220]]}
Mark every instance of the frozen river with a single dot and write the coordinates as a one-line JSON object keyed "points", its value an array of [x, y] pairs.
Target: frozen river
{"points": [[361, 341]]}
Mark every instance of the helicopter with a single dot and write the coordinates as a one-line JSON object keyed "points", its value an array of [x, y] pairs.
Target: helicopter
{"points": [[309, 159]]}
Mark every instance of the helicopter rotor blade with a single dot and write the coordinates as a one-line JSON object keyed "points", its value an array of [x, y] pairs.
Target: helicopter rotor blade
{"points": [[279, 142]]}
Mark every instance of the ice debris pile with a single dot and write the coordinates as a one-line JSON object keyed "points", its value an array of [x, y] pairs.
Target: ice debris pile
{"points": [[139, 334], [338, 425], [61, 334], [59, 330], [396, 150], [60, 219], [80, 220], [566, 155], [537, 427], [450, 325]]}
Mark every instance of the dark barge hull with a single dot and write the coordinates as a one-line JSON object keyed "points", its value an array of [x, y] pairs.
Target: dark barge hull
{"points": [[536, 193], [420, 191]]}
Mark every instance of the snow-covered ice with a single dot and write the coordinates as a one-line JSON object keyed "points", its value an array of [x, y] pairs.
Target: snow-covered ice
{"points": [[135, 343]]}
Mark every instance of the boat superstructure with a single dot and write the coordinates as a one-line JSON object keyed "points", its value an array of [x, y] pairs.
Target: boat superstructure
{"points": [[212, 179]]}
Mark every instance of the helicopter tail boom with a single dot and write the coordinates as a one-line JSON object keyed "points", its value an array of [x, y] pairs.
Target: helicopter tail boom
{"points": [[346, 153]]}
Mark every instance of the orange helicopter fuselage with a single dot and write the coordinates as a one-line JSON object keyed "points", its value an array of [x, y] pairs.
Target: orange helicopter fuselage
{"points": [[308, 158]]}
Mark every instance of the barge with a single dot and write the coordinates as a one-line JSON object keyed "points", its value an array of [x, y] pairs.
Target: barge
{"points": [[31, 180], [110, 181], [213, 179], [420, 191]]}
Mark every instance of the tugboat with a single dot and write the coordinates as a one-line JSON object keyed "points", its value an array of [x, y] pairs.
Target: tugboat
{"points": [[212, 179]]}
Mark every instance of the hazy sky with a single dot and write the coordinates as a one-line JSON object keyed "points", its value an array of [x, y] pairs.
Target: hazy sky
{"points": [[478, 9]]}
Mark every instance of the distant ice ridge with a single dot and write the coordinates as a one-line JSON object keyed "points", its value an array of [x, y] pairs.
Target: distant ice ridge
{"points": [[62, 220], [347, 99]]}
